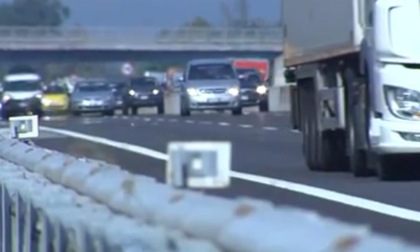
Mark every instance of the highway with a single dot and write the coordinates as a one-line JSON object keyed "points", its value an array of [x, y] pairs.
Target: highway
{"points": [[263, 145]]}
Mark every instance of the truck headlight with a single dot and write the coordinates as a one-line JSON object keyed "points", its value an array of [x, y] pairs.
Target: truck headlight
{"points": [[403, 103], [5, 98], [131, 92], [262, 89], [155, 91], [233, 91], [192, 91]]}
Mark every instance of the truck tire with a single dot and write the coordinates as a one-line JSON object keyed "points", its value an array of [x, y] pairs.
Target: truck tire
{"points": [[263, 106], [386, 170], [322, 149], [356, 125]]}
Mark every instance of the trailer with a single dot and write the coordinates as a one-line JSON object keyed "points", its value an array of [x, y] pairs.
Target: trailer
{"points": [[354, 66]]}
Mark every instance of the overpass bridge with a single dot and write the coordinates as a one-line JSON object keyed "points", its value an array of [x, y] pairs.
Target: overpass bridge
{"points": [[119, 43]]}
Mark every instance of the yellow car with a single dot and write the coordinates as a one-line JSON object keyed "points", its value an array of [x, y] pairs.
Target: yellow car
{"points": [[55, 99]]}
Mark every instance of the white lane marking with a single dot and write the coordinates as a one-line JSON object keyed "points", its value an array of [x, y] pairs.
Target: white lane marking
{"points": [[246, 126], [161, 120], [345, 199], [147, 119], [270, 128], [189, 121], [224, 124], [173, 120]]}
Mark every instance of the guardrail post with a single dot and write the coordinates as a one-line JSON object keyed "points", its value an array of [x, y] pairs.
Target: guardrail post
{"points": [[60, 237], [30, 228], [6, 217], [46, 234], [19, 223]]}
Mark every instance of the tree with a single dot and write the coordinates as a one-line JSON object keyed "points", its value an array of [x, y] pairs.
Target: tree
{"points": [[198, 22], [33, 13]]}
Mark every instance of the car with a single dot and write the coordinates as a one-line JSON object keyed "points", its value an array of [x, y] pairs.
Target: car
{"points": [[55, 99], [93, 97], [254, 91], [22, 94], [143, 92], [210, 84], [119, 88]]}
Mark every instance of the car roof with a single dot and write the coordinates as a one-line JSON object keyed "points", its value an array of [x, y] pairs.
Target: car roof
{"points": [[210, 61]]}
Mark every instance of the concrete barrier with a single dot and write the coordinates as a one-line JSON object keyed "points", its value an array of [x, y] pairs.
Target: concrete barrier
{"points": [[238, 225], [279, 98], [172, 102]]}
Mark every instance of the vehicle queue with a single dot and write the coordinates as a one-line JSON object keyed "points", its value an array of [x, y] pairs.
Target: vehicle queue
{"points": [[205, 84]]}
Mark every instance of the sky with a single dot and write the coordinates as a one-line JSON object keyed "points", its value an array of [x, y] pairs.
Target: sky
{"points": [[159, 13]]}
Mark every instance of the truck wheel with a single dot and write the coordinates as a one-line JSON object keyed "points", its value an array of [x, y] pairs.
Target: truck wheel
{"points": [[109, 112], [386, 168], [134, 110], [356, 118]]}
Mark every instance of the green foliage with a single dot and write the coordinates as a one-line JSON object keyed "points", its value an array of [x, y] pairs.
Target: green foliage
{"points": [[33, 13], [198, 22]]}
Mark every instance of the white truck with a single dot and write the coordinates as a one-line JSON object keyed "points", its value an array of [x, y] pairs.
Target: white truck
{"points": [[355, 67]]}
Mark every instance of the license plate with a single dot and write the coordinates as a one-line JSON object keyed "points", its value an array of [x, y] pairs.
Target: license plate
{"points": [[144, 97], [213, 100], [23, 104], [244, 97]]}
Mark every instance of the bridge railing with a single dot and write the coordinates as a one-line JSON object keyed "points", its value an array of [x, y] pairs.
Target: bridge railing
{"points": [[120, 37]]}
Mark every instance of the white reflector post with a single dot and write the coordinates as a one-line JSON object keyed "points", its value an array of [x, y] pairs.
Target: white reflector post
{"points": [[24, 127]]}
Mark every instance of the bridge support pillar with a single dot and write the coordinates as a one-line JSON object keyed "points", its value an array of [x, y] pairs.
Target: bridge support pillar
{"points": [[279, 92], [172, 103]]}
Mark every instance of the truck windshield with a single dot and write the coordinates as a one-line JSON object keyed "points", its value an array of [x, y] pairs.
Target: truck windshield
{"points": [[211, 72], [21, 86]]}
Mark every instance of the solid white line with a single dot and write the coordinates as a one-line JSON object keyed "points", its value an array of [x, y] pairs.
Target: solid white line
{"points": [[345, 199]]}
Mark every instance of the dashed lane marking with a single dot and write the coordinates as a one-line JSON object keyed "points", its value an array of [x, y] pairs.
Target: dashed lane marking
{"points": [[329, 195], [270, 128], [224, 124], [246, 126]]}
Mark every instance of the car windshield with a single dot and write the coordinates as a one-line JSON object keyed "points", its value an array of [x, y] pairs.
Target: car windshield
{"points": [[93, 87], [216, 71], [55, 90], [143, 83], [21, 86]]}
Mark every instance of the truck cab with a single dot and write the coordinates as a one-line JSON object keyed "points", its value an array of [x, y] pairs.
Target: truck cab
{"points": [[356, 99], [22, 94]]}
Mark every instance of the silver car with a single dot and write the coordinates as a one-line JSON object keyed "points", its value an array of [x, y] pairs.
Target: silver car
{"points": [[210, 84], [93, 96]]}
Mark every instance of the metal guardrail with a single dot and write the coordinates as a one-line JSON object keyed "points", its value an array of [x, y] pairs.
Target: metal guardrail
{"points": [[120, 38], [203, 223]]}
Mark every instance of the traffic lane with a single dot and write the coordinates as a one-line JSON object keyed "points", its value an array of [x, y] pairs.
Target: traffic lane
{"points": [[156, 168], [273, 120], [274, 154]]}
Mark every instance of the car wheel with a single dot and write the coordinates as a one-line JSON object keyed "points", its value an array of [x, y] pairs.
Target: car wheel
{"points": [[134, 110], [237, 111], [263, 106], [160, 109], [110, 113], [76, 113]]}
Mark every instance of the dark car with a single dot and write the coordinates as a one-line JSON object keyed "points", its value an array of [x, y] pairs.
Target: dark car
{"points": [[119, 87], [142, 92], [253, 89]]}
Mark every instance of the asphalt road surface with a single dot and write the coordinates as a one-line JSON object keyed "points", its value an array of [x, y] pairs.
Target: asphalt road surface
{"points": [[263, 145]]}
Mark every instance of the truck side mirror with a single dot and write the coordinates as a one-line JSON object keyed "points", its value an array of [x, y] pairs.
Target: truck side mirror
{"points": [[289, 75]]}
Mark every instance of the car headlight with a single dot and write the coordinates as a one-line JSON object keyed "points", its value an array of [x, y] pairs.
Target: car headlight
{"points": [[46, 102], [132, 92], [403, 103], [233, 91], [38, 96], [6, 97], [262, 89], [192, 91], [155, 91]]}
